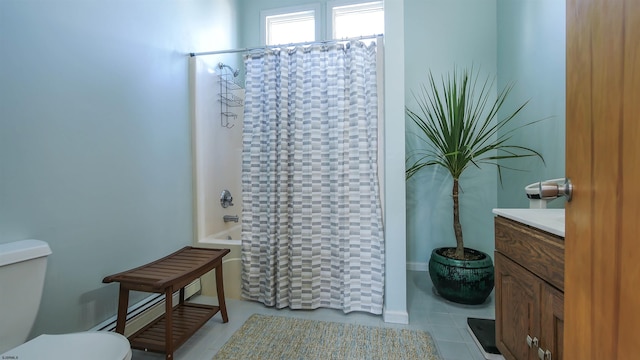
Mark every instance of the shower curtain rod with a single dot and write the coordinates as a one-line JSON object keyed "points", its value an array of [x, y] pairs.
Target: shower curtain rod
{"points": [[230, 51]]}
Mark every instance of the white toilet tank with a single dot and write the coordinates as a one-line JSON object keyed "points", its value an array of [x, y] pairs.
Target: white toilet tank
{"points": [[23, 265]]}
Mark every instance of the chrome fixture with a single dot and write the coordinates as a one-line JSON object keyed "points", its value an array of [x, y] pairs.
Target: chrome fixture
{"points": [[230, 218], [554, 190], [544, 191], [226, 199], [235, 72]]}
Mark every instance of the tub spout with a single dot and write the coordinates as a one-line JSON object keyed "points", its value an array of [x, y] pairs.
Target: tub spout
{"points": [[228, 218]]}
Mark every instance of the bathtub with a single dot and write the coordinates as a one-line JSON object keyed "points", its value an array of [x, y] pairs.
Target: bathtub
{"points": [[231, 263]]}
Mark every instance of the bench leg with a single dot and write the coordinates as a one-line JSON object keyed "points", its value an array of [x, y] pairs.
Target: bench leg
{"points": [[168, 335], [220, 290], [123, 304]]}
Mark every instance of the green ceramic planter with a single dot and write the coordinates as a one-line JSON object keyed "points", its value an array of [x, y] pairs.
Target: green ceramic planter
{"points": [[462, 281]]}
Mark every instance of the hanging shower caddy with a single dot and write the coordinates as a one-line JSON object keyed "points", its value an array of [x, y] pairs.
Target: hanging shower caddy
{"points": [[228, 99]]}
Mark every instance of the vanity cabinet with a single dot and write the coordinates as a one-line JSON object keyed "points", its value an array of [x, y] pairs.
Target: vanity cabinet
{"points": [[529, 277]]}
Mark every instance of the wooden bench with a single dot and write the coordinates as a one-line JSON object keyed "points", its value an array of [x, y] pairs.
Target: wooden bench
{"points": [[168, 275]]}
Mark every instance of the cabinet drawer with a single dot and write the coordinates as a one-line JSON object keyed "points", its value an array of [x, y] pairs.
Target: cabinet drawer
{"points": [[537, 251]]}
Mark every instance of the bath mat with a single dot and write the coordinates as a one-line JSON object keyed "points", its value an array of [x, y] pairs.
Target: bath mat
{"points": [[279, 337]]}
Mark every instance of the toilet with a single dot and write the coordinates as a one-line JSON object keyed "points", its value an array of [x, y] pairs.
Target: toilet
{"points": [[23, 265]]}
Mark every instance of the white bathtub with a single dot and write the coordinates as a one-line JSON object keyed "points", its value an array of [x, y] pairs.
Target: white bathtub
{"points": [[231, 263]]}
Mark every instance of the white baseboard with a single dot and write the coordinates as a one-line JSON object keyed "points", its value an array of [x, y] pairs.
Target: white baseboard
{"points": [[395, 317], [145, 311], [418, 266]]}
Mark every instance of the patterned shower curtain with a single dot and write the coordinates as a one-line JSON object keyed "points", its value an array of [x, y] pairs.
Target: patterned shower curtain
{"points": [[312, 232]]}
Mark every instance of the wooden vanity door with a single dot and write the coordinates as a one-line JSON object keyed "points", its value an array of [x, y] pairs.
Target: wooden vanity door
{"points": [[552, 322], [518, 305]]}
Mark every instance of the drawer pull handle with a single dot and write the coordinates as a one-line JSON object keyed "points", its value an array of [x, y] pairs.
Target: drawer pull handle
{"points": [[544, 354]]}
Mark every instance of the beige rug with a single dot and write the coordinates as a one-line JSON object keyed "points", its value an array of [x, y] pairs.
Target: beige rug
{"points": [[278, 337]]}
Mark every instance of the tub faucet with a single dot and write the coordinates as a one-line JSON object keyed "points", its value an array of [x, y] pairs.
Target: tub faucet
{"points": [[228, 218]]}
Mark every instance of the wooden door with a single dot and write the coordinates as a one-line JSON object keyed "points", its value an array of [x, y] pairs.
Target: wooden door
{"points": [[602, 248], [552, 322], [518, 305]]}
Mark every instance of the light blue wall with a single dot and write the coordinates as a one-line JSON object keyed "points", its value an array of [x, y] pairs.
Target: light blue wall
{"points": [[438, 36], [94, 126], [531, 53], [95, 151]]}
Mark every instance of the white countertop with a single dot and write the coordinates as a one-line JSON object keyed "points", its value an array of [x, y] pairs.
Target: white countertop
{"points": [[549, 220]]}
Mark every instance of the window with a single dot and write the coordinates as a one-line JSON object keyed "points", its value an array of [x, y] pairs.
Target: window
{"points": [[342, 19], [356, 19], [291, 25]]}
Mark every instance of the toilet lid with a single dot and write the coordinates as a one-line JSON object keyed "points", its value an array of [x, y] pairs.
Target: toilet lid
{"points": [[92, 345]]}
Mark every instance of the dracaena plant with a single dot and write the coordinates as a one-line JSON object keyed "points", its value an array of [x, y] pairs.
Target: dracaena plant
{"points": [[460, 125]]}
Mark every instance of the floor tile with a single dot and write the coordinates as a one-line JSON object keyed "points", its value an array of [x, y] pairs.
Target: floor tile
{"points": [[446, 321], [445, 333], [453, 350]]}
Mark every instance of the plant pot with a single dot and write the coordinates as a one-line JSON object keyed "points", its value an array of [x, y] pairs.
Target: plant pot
{"points": [[462, 281]]}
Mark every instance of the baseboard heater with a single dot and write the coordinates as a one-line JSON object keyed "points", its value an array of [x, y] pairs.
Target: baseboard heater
{"points": [[147, 310]]}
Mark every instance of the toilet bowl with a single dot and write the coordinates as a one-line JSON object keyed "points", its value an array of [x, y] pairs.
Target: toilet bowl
{"points": [[22, 272], [93, 345]]}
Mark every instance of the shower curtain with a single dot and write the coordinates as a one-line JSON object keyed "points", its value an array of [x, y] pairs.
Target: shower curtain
{"points": [[312, 233]]}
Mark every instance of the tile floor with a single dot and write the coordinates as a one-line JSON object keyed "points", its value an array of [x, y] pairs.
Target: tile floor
{"points": [[444, 320]]}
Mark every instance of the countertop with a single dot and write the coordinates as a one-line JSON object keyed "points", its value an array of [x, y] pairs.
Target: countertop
{"points": [[549, 220]]}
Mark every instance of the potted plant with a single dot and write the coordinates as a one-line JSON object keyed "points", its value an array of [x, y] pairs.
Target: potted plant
{"points": [[459, 127]]}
